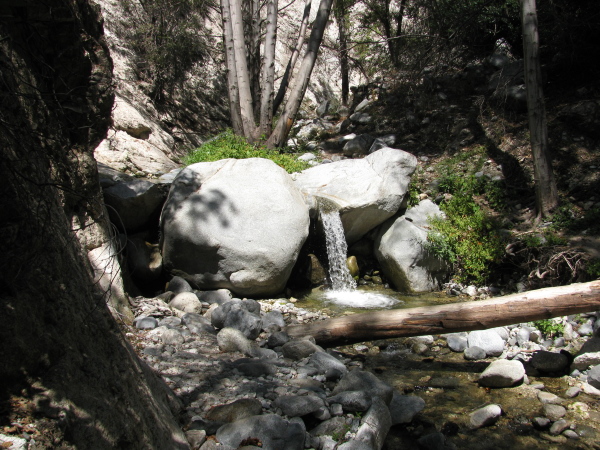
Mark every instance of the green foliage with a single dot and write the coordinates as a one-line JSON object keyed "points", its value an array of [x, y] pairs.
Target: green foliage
{"points": [[593, 268], [167, 38], [547, 239], [468, 238], [571, 219], [549, 327], [414, 189], [228, 145]]}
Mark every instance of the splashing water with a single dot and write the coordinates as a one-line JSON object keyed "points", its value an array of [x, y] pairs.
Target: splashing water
{"points": [[341, 280]]}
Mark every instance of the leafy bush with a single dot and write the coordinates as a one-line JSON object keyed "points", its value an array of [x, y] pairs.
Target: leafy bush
{"points": [[468, 238], [228, 145]]}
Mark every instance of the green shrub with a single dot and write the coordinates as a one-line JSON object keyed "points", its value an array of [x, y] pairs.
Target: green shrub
{"points": [[468, 238], [228, 145], [549, 327], [593, 268]]}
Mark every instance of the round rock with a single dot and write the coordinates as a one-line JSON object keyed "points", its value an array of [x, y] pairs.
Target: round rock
{"points": [[489, 340], [488, 415], [502, 373]]}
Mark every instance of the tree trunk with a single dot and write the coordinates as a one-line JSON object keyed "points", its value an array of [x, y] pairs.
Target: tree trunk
{"points": [[232, 86], [286, 119], [475, 315], [61, 349], [266, 106], [241, 69], [293, 58], [545, 185], [340, 11]]}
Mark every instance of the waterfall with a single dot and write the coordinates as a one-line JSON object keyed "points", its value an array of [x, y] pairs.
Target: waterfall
{"points": [[337, 250]]}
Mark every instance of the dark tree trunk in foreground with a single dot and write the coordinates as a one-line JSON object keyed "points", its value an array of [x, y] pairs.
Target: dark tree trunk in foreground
{"points": [[546, 195], [476, 315], [62, 353]]}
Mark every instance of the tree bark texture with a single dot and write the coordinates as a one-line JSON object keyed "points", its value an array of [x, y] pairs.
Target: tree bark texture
{"points": [[341, 12], [232, 86], [61, 348], [241, 69], [475, 315], [266, 105], [284, 124], [545, 185], [289, 69]]}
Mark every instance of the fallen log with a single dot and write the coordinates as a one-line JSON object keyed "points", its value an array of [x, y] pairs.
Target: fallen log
{"points": [[476, 315]]}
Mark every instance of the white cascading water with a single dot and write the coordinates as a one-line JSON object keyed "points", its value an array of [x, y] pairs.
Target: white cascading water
{"points": [[337, 249], [343, 287]]}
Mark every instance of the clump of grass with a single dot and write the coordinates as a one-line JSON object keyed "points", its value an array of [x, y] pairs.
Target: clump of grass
{"points": [[229, 145]]}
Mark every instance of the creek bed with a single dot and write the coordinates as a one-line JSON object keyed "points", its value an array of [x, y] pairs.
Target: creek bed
{"points": [[448, 384]]}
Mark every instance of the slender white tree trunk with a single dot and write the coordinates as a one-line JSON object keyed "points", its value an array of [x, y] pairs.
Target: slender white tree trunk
{"points": [[545, 185], [286, 119], [285, 81], [266, 105], [232, 87], [241, 66]]}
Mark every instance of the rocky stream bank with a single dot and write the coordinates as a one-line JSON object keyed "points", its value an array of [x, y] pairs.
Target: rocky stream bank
{"points": [[243, 383]]}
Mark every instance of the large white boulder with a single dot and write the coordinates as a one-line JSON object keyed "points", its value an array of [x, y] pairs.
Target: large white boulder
{"points": [[368, 191], [235, 224], [400, 248]]}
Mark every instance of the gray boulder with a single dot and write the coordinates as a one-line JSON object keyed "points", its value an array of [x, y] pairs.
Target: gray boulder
{"points": [[218, 296], [352, 401], [235, 224], [488, 340], [133, 203], [368, 191], [474, 353], [273, 319], [360, 145], [237, 410], [358, 380], [178, 284], [325, 362], [299, 348], [588, 356], [403, 408], [274, 432], [375, 424], [232, 340], [298, 405], [502, 373], [594, 376], [457, 342], [186, 302], [400, 248], [235, 314]]}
